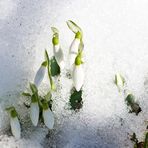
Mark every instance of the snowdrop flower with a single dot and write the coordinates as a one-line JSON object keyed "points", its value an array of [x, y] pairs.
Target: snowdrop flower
{"points": [[78, 73], [14, 123], [74, 47], [73, 51], [58, 53], [119, 81], [40, 74], [48, 116], [34, 110]]}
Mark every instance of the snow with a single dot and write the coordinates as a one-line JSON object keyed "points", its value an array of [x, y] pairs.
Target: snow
{"points": [[115, 37]]}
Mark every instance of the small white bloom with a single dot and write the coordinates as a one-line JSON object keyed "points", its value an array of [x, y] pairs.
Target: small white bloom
{"points": [[78, 76], [48, 118], [59, 56], [40, 74], [34, 113], [15, 127], [73, 50]]}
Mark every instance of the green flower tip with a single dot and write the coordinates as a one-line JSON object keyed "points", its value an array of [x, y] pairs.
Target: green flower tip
{"points": [[34, 98], [13, 113], [45, 105], [78, 35], [55, 40], [78, 60], [44, 63]]}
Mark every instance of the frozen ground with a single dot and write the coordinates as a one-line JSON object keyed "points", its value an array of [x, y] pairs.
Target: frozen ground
{"points": [[116, 39]]}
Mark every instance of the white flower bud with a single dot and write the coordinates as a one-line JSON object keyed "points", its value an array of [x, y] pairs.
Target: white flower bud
{"points": [[15, 127], [15, 124], [59, 56], [34, 113], [48, 118], [47, 115], [78, 76], [73, 50], [40, 74]]}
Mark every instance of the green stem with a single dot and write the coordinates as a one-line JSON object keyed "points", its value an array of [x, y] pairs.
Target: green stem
{"points": [[49, 71]]}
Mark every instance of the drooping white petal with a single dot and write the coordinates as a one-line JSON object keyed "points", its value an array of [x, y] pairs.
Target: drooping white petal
{"points": [[58, 53], [73, 51], [78, 76], [48, 118], [39, 75], [15, 127], [34, 113], [72, 57]]}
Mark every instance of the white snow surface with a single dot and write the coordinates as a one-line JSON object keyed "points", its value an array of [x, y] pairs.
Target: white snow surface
{"points": [[116, 40]]}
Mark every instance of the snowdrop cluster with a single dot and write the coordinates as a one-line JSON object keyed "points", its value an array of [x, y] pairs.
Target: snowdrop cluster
{"points": [[41, 107]]}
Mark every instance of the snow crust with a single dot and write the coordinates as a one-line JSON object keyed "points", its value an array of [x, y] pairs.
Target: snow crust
{"points": [[116, 40]]}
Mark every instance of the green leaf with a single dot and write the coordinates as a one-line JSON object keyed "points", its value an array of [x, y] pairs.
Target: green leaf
{"points": [[55, 69], [9, 109], [48, 96], [34, 98], [52, 85], [26, 94], [12, 111], [33, 88], [76, 100], [146, 141], [74, 27], [130, 99], [46, 57]]}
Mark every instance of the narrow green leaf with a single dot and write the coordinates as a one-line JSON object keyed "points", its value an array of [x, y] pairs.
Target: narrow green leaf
{"points": [[55, 69], [26, 94], [8, 109], [49, 71], [33, 88], [48, 96], [146, 141]]}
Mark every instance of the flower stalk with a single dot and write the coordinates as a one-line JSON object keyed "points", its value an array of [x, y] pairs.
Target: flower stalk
{"points": [[49, 71]]}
